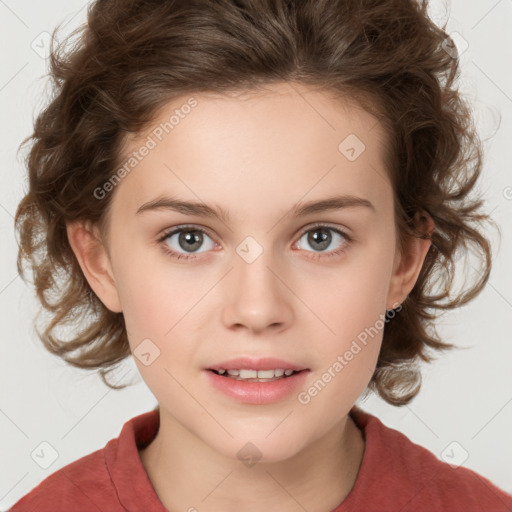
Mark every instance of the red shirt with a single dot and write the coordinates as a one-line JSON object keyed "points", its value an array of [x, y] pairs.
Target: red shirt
{"points": [[396, 475]]}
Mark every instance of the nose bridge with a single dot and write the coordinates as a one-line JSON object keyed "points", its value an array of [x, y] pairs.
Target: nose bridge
{"points": [[256, 297]]}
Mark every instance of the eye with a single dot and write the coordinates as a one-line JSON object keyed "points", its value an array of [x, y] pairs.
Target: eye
{"points": [[186, 238], [320, 237]]}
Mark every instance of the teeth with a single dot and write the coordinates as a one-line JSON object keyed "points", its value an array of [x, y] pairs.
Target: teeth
{"points": [[256, 374], [249, 374], [262, 374]]}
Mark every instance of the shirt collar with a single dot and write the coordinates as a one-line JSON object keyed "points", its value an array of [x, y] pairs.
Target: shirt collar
{"points": [[127, 472]]}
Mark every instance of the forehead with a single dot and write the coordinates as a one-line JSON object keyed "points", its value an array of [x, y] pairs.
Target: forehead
{"points": [[283, 141]]}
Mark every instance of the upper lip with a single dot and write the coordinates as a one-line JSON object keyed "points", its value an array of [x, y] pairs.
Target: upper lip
{"points": [[248, 363]]}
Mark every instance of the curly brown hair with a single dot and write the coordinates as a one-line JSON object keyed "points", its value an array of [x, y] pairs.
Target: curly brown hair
{"points": [[134, 56]]}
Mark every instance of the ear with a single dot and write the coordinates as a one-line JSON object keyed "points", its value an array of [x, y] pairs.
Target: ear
{"points": [[408, 264], [92, 255]]}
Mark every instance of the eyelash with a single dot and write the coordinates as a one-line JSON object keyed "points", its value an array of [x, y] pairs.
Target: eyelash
{"points": [[319, 255]]}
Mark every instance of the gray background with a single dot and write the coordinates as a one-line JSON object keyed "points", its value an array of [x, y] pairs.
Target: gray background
{"points": [[467, 394]]}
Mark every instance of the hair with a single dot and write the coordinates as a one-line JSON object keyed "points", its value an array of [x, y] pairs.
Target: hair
{"points": [[133, 57]]}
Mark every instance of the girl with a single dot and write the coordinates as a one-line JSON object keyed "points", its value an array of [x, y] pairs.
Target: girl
{"points": [[260, 200]]}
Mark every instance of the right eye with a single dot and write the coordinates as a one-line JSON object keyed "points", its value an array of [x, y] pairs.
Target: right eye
{"points": [[189, 239]]}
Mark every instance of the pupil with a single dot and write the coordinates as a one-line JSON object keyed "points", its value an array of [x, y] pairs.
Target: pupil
{"points": [[321, 237], [191, 240]]}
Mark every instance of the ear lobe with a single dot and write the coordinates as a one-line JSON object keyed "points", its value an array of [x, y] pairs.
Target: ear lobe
{"points": [[94, 261], [410, 262]]}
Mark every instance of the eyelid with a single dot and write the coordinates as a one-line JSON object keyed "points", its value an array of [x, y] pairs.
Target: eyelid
{"points": [[183, 227], [342, 230]]}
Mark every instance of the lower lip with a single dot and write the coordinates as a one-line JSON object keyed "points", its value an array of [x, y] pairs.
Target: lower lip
{"points": [[258, 393]]}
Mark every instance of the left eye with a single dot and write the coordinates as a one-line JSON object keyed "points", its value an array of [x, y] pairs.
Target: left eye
{"points": [[320, 238]]}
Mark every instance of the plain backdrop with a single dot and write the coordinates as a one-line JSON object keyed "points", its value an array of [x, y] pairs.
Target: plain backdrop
{"points": [[465, 405]]}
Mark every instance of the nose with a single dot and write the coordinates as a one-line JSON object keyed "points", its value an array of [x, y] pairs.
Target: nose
{"points": [[256, 297]]}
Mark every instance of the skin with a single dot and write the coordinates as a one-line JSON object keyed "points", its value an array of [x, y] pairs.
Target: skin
{"points": [[255, 155]]}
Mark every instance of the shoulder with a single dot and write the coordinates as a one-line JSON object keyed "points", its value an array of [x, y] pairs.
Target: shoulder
{"points": [[112, 478], [413, 476], [451, 486], [83, 485]]}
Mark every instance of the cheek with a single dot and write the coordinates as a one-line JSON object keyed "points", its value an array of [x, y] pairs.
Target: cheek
{"points": [[158, 297], [351, 304], [348, 350], [161, 308], [352, 296]]}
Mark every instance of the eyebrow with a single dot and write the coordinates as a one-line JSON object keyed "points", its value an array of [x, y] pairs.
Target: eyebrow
{"points": [[213, 211]]}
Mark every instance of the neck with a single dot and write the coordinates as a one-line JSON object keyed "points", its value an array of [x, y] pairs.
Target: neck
{"points": [[317, 478]]}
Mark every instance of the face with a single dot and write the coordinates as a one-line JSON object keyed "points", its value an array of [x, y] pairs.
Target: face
{"points": [[265, 280]]}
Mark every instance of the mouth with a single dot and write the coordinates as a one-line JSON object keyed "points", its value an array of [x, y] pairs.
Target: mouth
{"points": [[256, 369], [268, 384]]}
